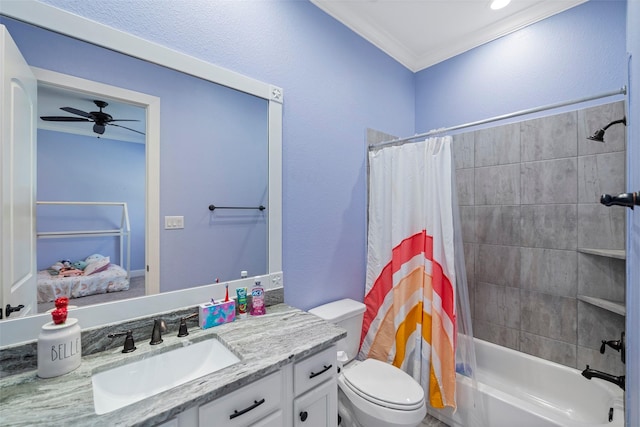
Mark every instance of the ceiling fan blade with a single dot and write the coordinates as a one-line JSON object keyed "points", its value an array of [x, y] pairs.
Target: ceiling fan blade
{"points": [[123, 120], [99, 129], [76, 111], [133, 130], [63, 119]]}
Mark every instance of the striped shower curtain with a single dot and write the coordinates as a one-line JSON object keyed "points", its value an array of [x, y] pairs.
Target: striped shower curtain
{"points": [[410, 317]]}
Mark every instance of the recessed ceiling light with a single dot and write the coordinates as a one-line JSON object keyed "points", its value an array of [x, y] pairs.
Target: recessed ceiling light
{"points": [[499, 4]]}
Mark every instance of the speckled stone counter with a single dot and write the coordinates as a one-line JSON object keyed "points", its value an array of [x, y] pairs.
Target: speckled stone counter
{"points": [[264, 344]]}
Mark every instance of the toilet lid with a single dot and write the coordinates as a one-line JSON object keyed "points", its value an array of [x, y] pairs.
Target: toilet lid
{"points": [[384, 384]]}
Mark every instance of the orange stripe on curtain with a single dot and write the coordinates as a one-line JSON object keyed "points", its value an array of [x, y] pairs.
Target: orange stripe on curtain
{"points": [[385, 336], [447, 362], [406, 328]]}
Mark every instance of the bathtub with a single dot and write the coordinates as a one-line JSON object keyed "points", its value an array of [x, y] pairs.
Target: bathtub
{"points": [[520, 390]]}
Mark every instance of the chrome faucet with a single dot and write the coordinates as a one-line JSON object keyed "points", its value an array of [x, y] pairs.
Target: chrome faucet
{"points": [[159, 326], [129, 345], [589, 373]]}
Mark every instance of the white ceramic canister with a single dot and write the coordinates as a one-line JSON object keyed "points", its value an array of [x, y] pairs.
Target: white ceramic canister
{"points": [[59, 348]]}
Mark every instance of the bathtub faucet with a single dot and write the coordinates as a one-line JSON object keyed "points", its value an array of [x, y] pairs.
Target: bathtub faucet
{"points": [[589, 373]]}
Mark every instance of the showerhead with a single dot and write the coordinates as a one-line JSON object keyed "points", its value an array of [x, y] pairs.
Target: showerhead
{"points": [[599, 134]]}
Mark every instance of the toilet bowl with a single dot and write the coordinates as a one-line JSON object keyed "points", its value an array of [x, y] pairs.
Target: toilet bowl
{"points": [[377, 394], [371, 393]]}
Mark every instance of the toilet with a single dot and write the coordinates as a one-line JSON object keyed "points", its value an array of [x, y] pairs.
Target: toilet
{"points": [[371, 393]]}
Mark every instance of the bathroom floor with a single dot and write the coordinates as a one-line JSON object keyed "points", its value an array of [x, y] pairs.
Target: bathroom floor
{"points": [[430, 421]]}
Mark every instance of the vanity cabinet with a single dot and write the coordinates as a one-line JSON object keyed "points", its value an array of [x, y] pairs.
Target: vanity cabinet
{"points": [[305, 395], [315, 402]]}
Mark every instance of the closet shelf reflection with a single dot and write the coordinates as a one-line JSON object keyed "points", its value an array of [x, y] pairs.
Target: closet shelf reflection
{"points": [[609, 253], [613, 306]]}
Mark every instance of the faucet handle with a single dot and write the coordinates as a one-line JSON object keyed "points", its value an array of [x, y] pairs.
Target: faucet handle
{"points": [[129, 345], [159, 326], [183, 332], [617, 345]]}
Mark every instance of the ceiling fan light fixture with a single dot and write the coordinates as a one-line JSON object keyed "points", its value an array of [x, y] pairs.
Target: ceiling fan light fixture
{"points": [[499, 4]]}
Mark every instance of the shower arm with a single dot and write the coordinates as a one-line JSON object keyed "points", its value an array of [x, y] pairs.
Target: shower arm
{"points": [[615, 122]]}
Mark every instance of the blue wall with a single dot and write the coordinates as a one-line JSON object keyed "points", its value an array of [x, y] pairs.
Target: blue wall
{"points": [[633, 217], [575, 54], [82, 168]]}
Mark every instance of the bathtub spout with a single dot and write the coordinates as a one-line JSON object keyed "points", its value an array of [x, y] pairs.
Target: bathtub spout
{"points": [[589, 373]]}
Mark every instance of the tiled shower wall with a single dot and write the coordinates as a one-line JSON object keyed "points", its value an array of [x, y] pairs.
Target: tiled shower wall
{"points": [[529, 201]]}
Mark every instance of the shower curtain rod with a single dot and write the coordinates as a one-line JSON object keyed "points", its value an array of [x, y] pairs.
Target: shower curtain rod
{"points": [[375, 146]]}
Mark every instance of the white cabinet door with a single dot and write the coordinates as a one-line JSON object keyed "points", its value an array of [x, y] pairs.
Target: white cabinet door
{"points": [[18, 94], [318, 407]]}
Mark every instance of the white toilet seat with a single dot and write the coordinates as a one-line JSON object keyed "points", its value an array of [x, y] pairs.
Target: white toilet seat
{"points": [[385, 385]]}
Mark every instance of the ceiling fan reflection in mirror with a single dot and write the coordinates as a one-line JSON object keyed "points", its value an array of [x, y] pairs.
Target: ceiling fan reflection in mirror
{"points": [[100, 119]]}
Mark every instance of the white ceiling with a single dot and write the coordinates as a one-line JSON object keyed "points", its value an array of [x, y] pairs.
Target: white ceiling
{"points": [[51, 98], [421, 33]]}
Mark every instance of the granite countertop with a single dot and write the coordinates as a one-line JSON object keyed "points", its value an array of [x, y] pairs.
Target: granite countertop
{"points": [[264, 344]]}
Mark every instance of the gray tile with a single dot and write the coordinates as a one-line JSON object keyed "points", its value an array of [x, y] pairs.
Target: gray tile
{"points": [[551, 271], [546, 348], [549, 181], [499, 265], [498, 145], [551, 316], [601, 227], [592, 119], [497, 185], [463, 151], [498, 225], [468, 224], [596, 324], [374, 136], [498, 304], [549, 226], [465, 187], [608, 362], [600, 174], [497, 334], [601, 277], [549, 137]]}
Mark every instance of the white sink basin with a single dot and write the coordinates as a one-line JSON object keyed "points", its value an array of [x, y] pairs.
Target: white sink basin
{"points": [[135, 381]]}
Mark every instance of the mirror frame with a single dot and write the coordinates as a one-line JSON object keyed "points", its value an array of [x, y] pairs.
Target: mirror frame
{"points": [[26, 329]]}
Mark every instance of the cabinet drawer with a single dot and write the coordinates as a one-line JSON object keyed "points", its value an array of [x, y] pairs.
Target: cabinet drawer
{"points": [[314, 370], [246, 405]]}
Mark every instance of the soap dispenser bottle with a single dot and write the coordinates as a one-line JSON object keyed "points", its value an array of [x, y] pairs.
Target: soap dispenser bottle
{"points": [[257, 299]]}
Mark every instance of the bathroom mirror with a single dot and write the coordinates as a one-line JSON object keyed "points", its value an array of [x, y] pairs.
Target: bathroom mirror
{"points": [[264, 99]]}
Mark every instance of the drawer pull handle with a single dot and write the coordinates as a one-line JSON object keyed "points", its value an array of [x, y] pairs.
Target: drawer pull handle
{"points": [[256, 403], [303, 416], [326, 368]]}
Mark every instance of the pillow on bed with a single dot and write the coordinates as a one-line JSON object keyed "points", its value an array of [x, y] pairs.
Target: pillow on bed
{"points": [[96, 266], [93, 258]]}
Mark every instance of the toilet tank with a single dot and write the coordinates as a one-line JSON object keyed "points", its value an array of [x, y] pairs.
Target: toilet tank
{"points": [[347, 314]]}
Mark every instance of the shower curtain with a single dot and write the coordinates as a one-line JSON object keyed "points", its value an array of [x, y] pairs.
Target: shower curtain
{"points": [[410, 317]]}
